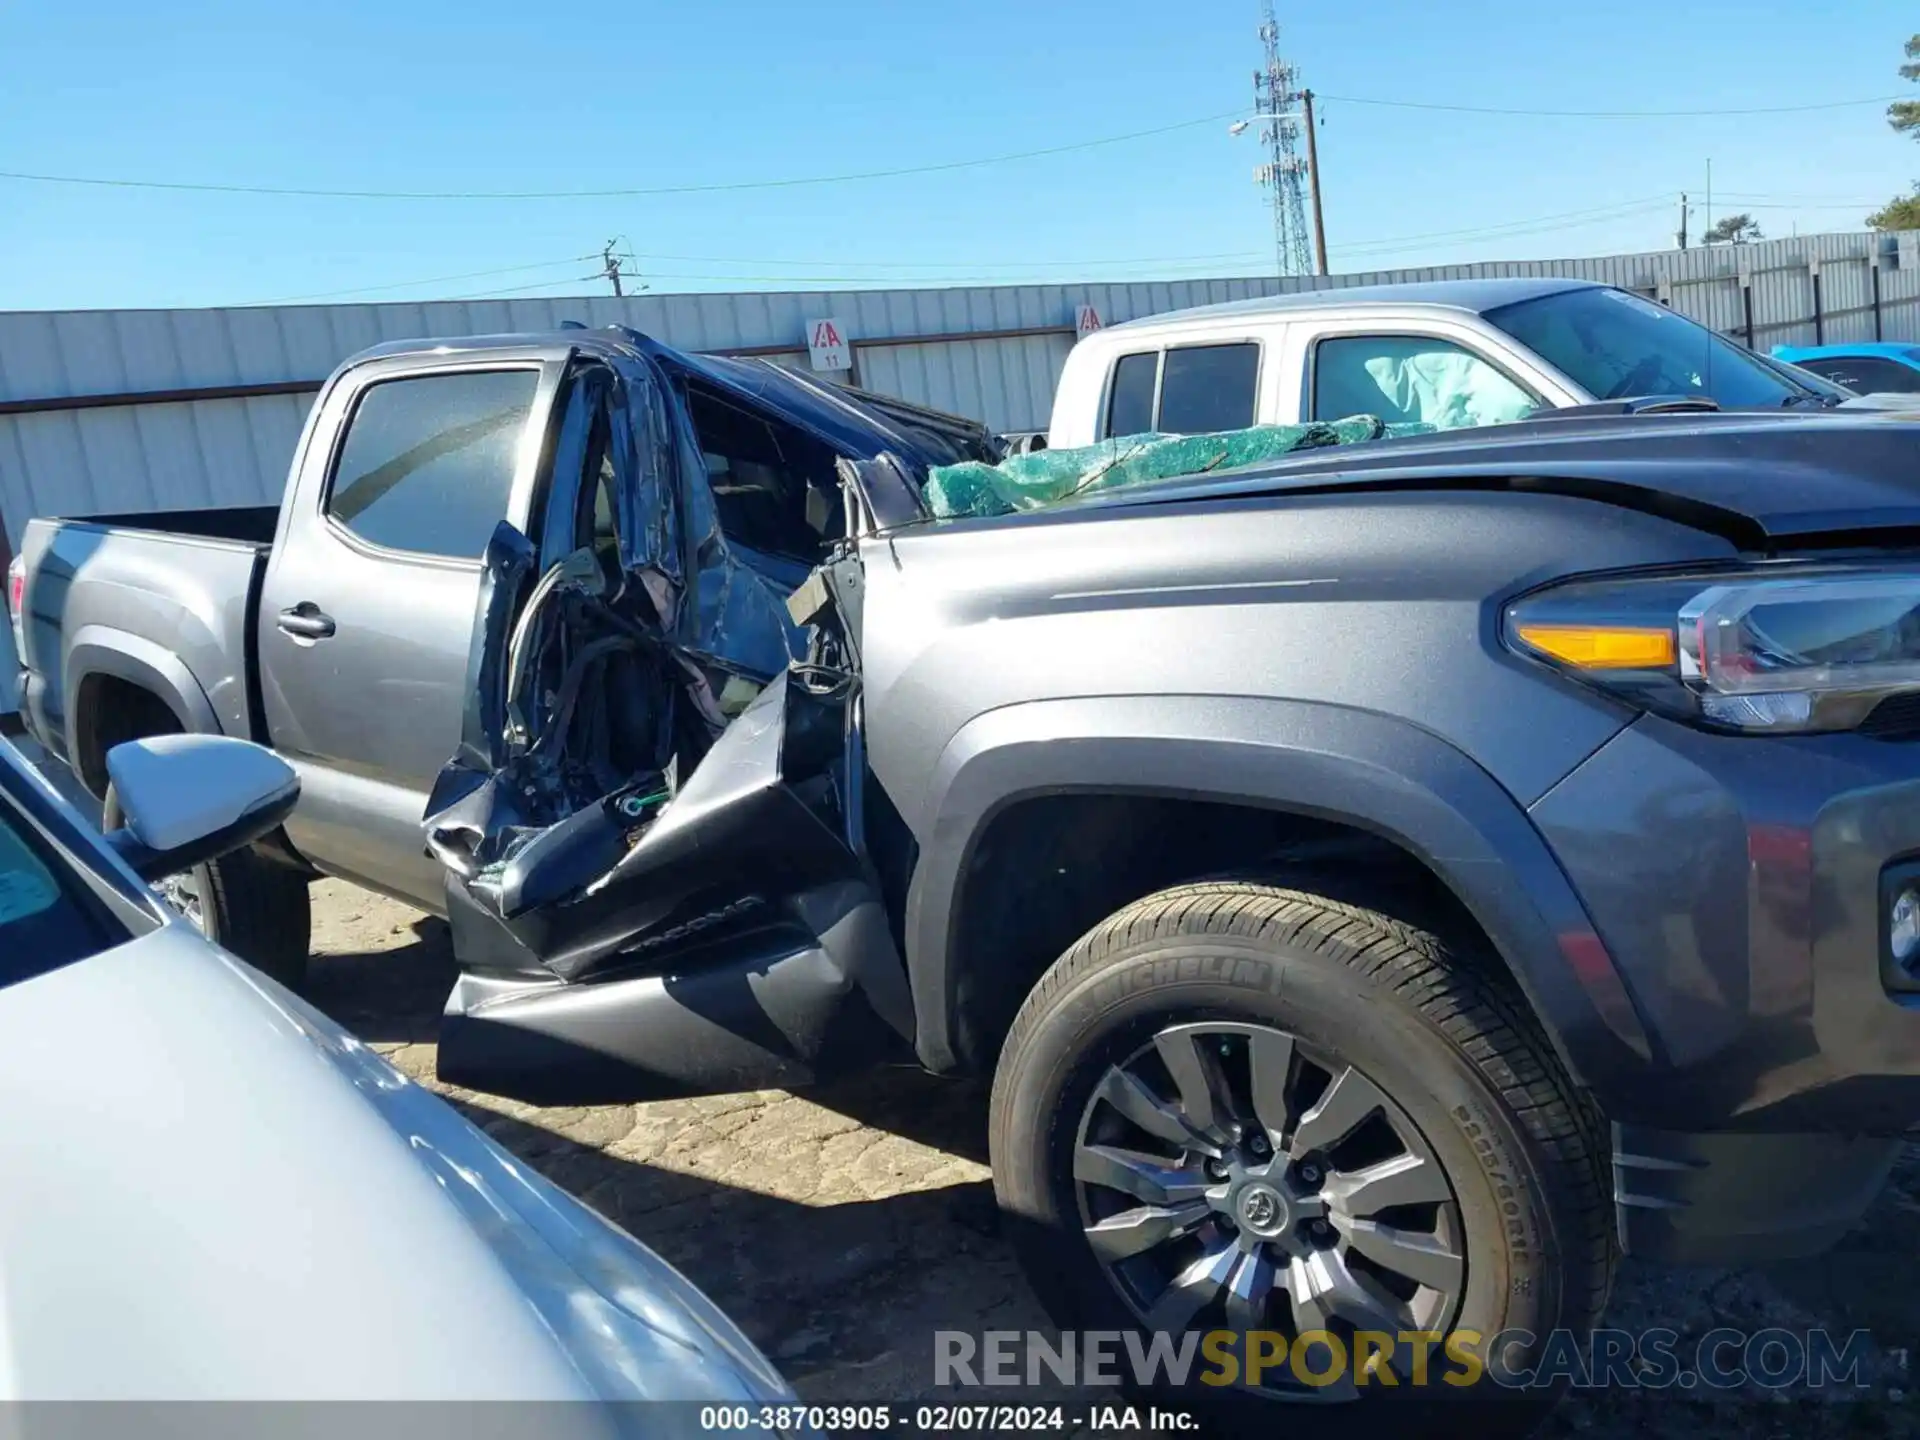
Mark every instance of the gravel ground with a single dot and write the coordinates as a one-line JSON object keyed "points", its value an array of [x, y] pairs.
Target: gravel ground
{"points": [[843, 1227]]}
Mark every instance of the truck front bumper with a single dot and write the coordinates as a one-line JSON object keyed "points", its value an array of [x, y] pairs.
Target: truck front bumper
{"points": [[1742, 887]]}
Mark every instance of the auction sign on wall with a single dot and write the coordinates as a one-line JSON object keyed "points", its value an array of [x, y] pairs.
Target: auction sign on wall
{"points": [[829, 346]]}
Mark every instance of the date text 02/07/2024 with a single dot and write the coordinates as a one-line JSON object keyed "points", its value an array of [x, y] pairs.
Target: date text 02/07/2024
{"points": [[943, 1419]]}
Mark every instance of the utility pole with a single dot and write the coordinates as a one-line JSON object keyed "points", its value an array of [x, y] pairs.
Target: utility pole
{"points": [[1313, 174], [1706, 227], [612, 263], [1683, 221]]}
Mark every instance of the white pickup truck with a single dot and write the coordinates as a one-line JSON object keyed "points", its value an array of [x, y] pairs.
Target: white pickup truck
{"points": [[1448, 353]]}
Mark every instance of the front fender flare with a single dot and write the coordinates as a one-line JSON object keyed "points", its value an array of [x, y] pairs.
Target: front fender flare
{"points": [[1363, 769]]}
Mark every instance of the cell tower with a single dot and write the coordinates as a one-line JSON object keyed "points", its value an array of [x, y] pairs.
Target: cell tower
{"points": [[1276, 90]]}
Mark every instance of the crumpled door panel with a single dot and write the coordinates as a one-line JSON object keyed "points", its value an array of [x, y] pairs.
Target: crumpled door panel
{"points": [[601, 888], [738, 942]]}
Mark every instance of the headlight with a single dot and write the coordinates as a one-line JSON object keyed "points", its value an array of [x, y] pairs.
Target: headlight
{"points": [[1786, 650]]}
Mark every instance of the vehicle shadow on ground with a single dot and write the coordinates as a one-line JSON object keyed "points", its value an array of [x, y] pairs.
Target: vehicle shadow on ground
{"points": [[846, 1297], [391, 993]]}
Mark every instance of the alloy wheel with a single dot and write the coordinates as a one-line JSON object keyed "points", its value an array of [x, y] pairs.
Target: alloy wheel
{"points": [[1232, 1176]]}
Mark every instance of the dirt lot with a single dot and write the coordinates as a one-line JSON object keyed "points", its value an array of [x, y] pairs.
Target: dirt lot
{"points": [[843, 1228]]}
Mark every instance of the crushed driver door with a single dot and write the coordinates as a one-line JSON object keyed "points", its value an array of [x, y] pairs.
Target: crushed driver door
{"points": [[655, 886]]}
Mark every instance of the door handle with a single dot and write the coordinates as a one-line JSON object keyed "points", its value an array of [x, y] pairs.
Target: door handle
{"points": [[306, 622]]}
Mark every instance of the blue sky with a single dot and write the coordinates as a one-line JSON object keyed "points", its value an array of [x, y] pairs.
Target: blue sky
{"points": [[489, 96]]}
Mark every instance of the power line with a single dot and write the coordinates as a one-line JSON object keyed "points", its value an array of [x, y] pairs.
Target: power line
{"points": [[1782, 195], [962, 264], [1803, 205], [521, 289], [1510, 229], [875, 282], [202, 187], [1012, 266], [1608, 114], [1763, 200], [1603, 212], [1536, 224], [790, 182], [1571, 219], [430, 280]]}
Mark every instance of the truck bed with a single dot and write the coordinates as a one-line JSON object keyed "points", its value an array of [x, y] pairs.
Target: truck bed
{"points": [[163, 600], [249, 524]]}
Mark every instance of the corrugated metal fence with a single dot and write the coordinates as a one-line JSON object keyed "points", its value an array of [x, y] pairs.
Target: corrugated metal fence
{"points": [[128, 410]]}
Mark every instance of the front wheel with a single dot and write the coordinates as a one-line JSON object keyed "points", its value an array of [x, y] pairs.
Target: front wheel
{"points": [[242, 902], [1315, 1135]]}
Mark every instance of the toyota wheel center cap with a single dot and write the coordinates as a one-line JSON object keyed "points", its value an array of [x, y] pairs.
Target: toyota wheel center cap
{"points": [[1262, 1209]]}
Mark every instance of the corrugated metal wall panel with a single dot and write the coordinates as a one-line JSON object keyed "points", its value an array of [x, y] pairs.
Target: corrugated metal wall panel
{"points": [[234, 451]]}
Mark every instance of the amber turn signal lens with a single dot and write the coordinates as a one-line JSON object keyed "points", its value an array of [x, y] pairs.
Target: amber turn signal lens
{"points": [[1593, 647]]}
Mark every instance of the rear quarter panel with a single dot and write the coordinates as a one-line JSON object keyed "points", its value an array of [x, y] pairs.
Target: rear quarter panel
{"points": [[166, 612]]}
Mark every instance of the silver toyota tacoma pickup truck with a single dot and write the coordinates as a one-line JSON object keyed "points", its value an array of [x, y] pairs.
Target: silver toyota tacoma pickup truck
{"points": [[1384, 883]]}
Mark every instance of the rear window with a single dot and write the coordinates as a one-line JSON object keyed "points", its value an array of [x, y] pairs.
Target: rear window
{"points": [[1208, 387], [45, 921], [1130, 398], [1201, 388]]}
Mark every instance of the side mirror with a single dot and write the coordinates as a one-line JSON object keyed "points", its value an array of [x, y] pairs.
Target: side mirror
{"points": [[192, 798]]}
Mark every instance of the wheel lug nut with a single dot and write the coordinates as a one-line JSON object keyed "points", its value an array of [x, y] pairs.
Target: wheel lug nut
{"points": [[1310, 1174], [1258, 1145], [1217, 1169], [1321, 1229]]}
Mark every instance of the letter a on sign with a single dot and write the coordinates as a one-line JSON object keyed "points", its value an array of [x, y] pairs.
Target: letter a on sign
{"points": [[827, 345], [1086, 320]]}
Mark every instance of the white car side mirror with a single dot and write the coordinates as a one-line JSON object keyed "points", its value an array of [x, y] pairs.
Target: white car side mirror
{"points": [[192, 798]]}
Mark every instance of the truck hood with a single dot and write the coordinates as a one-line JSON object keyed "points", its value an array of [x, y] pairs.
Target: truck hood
{"points": [[1755, 478]]}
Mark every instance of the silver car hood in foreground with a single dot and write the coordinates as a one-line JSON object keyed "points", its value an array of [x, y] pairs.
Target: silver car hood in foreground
{"points": [[210, 1191]]}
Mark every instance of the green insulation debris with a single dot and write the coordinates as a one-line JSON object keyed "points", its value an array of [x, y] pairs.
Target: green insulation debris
{"points": [[1047, 477]]}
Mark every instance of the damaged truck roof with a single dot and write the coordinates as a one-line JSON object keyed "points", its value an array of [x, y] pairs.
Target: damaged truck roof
{"points": [[858, 423]]}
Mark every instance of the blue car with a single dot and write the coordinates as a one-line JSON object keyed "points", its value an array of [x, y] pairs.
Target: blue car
{"points": [[1866, 367]]}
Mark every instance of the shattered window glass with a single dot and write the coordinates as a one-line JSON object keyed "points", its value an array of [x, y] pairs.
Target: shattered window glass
{"points": [[428, 463]]}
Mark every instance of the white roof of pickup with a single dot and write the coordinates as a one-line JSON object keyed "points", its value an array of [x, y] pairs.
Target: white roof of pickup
{"points": [[1475, 296]]}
